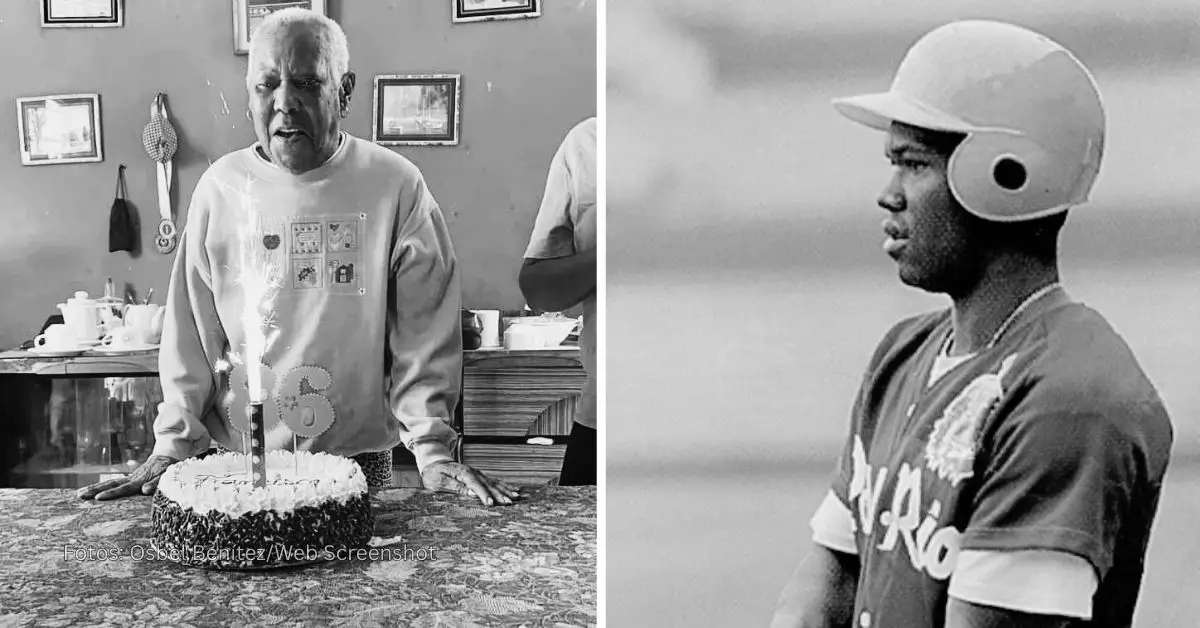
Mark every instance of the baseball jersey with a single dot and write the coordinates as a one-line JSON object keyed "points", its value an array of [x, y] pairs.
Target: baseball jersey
{"points": [[1051, 445]]}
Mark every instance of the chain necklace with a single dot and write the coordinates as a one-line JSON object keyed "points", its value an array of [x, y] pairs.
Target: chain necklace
{"points": [[1030, 300], [1021, 308]]}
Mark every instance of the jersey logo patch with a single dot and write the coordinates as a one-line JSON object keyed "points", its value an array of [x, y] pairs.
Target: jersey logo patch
{"points": [[950, 451]]}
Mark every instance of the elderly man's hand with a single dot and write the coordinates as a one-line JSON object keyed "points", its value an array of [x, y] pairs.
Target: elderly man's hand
{"points": [[143, 481], [455, 477]]}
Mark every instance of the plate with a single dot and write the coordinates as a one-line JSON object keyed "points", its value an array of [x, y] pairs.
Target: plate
{"points": [[502, 348], [57, 353], [123, 350], [272, 566]]}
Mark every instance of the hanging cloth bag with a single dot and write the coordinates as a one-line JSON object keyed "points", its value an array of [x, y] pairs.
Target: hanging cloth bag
{"points": [[161, 142], [121, 236]]}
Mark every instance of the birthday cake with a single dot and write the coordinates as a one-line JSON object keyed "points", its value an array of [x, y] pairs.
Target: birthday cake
{"points": [[208, 512]]}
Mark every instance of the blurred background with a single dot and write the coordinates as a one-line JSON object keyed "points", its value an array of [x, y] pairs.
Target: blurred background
{"points": [[747, 288]]}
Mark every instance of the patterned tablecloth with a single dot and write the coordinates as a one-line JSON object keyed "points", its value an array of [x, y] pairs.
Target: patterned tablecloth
{"points": [[68, 562]]}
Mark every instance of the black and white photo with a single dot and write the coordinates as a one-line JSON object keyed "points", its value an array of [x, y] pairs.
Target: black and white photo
{"points": [[490, 10], [82, 13], [417, 109], [306, 346], [777, 391], [62, 129], [248, 14]]}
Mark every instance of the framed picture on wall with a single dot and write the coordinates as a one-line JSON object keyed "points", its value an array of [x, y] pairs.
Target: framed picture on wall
{"points": [[417, 109], [82, 13], [484, 10], [62, 129], [248, 14]]}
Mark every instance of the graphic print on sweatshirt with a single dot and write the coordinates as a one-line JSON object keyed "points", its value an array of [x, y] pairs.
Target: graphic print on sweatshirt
{"points": [[319, 252]]}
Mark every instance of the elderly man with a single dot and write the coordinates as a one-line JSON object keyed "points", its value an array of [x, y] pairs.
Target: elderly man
{"points": [[1005, 455], [559, 272], [366, 320]]}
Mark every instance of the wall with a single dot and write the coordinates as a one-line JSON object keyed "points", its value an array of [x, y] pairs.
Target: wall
{"points": [[525, 83]]}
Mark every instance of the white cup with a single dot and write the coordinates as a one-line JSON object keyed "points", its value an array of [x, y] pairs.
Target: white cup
{"points": [[489, 320], [57, 338], [141, 318], [121, 338], [522, 337]]}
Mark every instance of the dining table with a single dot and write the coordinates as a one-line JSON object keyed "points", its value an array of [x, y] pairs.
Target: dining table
{"points": [[450, 562]]}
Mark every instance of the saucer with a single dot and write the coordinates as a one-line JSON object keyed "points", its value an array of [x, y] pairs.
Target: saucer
{"points": [[57, 353], [123, 350]]}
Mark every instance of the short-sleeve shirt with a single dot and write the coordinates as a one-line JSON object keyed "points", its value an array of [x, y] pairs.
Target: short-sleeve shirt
{"points": [[1053, 439], [566, 225]]}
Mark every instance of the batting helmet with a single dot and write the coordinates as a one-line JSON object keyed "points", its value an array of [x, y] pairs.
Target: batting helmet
{"points": [[1031, 113]]}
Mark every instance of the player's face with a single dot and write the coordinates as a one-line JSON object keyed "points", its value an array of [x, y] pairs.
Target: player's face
{"points": [[928, 233], [295, 102]]}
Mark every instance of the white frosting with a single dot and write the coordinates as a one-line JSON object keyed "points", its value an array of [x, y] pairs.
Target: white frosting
{"points": [[221, 482]]}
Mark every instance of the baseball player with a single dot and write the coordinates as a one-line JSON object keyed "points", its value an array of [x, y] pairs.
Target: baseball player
{"points": [[1005, 455]]}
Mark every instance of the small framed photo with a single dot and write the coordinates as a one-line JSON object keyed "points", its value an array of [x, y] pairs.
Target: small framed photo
{"points": [[82, 13], [417, 109], [484, 10], [61, 129], [248, 14]]}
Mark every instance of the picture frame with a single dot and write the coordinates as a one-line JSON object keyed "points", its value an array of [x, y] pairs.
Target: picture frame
{"points": [[83, 13], [417, 109], [488, 10], [60, 129], [248, 13]]}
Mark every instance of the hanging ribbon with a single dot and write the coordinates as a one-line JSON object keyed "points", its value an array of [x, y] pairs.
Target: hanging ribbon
{"points": [[161, 142]]}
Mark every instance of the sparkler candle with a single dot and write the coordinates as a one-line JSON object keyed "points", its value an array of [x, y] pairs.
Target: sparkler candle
{"points": [[257, 449], [258, 452], [258, 276]]}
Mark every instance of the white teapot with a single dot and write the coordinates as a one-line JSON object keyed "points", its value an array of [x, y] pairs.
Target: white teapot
{"points": [[146, 320], [83, 315]]}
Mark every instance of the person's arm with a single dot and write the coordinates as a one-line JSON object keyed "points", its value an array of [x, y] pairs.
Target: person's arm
{"points": [[425, 348], [823, 588], [555, 275], [556, 284], [820, 592], [192, 342], [424, 331], [960, 614]]}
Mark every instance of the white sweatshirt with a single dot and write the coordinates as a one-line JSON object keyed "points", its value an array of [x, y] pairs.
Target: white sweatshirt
{"points": [[366, 313]]}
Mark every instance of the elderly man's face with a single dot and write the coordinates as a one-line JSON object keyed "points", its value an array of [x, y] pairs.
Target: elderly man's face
{"points": [[295, 101]]}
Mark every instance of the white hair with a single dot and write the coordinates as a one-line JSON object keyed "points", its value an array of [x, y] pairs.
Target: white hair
{"points": [[331, 37]]}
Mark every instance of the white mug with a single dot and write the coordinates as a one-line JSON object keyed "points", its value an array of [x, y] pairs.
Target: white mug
{"points": [[146, 320], [57, 338], [489, 321], [121, 338]]}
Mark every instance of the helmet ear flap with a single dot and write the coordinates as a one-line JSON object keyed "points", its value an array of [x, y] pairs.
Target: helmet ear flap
{"points": [[1006, 176]]}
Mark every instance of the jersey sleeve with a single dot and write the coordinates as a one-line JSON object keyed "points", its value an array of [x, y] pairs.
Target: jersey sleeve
{"points": [[833, 525], [553, 233], [1058, 474], [1040, 582]]}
